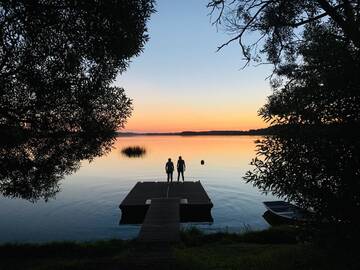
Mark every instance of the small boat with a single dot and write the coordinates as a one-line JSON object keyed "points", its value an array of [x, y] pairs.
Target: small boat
{"points": [[287, 211]]}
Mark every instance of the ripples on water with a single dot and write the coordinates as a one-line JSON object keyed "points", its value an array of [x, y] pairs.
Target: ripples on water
{"points": [[86, 208]]}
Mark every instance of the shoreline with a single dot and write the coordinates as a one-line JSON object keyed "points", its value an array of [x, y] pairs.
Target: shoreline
{"points": [[273, 248], [255, 132]]}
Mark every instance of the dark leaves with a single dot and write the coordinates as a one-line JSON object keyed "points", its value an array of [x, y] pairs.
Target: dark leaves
{"points": [[58, 59], [317, 169]]}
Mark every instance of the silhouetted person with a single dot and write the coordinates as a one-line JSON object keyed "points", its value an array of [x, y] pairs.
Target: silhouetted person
{"points": [[181, 168], [169, 168]]}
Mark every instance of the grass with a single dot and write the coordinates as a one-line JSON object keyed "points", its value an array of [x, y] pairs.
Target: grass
{"points": [[276, 248], [254, 256], [279, 248], [273, 235], [64, 255], [133, 151]]}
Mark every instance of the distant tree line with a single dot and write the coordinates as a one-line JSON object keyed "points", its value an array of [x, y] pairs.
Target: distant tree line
{"points": [[261, 131]]}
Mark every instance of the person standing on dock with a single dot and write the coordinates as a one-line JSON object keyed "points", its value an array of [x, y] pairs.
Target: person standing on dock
{"points": [[181, 168], [169, 168]]}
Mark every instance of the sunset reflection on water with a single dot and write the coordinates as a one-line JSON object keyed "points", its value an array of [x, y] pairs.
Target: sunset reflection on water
{"points": [[86, 208]]}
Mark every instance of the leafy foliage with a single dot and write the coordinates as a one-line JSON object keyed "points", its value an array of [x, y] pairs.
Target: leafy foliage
{"points": [[59, 57], [279, 23], [315, 49], [323, 88], [315, 169]]}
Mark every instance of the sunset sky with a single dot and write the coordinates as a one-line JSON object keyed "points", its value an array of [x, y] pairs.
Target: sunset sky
{"points": [[181, 83]]}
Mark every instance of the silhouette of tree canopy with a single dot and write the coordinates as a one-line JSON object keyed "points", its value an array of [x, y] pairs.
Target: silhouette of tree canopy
{"points": [[315, 168], [315, 49], [31, 168], [279, 23], [323, 88], [58, 59]]}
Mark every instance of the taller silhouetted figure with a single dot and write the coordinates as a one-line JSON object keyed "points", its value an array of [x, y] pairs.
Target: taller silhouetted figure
{"points": [[169, 168], [181, 168]]}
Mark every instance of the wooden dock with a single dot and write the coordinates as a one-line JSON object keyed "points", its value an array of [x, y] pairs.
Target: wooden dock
{"points": [[194, 203], [160, 207], [161, 222]]}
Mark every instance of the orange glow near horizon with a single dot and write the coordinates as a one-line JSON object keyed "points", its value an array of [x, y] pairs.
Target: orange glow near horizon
{"points": [[175, 118], [181, 83], [233, 150], [224, 156]]}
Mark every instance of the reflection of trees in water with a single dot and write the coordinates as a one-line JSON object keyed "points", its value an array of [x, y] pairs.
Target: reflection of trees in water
{"points": [[314, 169], [31, 169], [58, 60]]}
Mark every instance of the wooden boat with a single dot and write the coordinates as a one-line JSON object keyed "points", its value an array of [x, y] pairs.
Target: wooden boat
{"points": [[286, 211]]}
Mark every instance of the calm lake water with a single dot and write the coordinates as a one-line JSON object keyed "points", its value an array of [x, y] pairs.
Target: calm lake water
{"points": [[87, 206]]}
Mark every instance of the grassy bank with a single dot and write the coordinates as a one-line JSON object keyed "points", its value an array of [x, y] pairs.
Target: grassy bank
{"points": [[277, 248], [65, 255]]}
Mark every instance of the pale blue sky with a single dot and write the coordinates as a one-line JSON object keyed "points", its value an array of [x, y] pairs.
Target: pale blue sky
{"points": [[181, 74]]}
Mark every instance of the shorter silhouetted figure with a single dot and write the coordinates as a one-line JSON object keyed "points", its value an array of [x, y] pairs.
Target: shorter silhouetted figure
{"points": [[169, 168], [202, 162], [181, 168]]}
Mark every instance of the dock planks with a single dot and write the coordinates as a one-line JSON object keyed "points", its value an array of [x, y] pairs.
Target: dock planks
{"points": [[195, 204], [162, 221], [160, 207]]}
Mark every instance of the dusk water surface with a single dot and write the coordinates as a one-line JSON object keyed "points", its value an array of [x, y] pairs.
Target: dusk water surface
{"points": [[87, 206]]}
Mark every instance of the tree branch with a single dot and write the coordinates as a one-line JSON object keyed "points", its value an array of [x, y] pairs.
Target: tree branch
{"points": [[350, 28]]}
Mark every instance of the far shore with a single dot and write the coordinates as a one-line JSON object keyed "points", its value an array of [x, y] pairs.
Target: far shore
{"points": [[261, 131], [287, 129]]}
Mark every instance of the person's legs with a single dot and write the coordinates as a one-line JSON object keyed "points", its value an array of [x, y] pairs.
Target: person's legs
{"points": [[171, 176], [178, 175], [182, 175], [168, 176]]}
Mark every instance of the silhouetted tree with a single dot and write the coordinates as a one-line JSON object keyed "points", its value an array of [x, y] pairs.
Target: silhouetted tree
{"points": [[315, 49], [323, 88], [317, 169], [58, 59], [314, 46], [279, 23]]}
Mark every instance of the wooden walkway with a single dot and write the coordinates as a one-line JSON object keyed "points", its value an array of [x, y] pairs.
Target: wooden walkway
{"points": [[195, 204], [160, 207], [162, 221]]}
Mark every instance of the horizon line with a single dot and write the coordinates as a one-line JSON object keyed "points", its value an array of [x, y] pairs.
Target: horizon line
{"points": [[191, 131]]}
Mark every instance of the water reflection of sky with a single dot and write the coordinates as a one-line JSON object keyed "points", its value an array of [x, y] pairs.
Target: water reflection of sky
{"points": [[87, 206]]}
